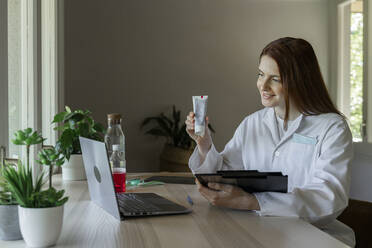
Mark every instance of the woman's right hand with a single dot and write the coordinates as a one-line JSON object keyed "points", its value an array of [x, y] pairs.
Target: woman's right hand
{"points": [[204, 142]]}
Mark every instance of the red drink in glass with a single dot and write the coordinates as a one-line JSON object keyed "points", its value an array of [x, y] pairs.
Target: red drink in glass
{"points": [[119, 175]]}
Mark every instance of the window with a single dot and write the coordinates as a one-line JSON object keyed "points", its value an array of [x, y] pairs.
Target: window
{"points": [[352, 88], [356, 70], [14, 74], [29, 76], [51, 65], [21, 64]]}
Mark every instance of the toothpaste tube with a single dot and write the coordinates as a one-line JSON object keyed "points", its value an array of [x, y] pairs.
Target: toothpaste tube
{"points": [[200, 110]]}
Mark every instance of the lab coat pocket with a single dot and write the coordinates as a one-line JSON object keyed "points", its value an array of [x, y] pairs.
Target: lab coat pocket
{"points": [[300, 160]]}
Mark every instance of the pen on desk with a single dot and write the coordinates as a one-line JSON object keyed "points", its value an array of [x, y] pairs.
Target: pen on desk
{"points": [[189, 200]]}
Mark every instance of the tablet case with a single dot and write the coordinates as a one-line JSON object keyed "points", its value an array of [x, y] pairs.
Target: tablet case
{"points": [[249, 180]]}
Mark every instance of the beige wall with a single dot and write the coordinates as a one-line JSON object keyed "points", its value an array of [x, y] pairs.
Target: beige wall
{"points": [[140, 57]]}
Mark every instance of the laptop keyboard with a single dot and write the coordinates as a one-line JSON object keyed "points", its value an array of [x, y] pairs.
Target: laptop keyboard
{"points": [[133, 204]]}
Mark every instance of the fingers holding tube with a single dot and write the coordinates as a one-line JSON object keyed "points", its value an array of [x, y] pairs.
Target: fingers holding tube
{"points": [[190, 121]]}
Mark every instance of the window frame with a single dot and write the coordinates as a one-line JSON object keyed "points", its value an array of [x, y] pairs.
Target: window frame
{"points": [[38, 54], [343, 68], [52, 65], [30, 81], [367, 70], [4, 126]]}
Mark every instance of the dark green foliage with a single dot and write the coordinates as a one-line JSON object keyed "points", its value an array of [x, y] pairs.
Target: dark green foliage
{"points": [[73, 124], [170, 128], [28, 194]]}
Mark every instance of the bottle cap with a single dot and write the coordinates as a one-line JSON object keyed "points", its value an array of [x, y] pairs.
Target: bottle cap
{"points": [[114, 116], [114, 119], [115, 147]]}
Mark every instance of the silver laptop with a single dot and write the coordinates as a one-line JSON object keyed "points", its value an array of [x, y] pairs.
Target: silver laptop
{"points": [[120, 205]]}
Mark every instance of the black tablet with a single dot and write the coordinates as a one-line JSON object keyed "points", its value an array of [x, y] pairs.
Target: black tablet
{"points": [[250, 181]]}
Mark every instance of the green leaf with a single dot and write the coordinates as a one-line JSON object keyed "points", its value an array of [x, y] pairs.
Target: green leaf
{"points": [[84, 129], [68, 117], [20, 135], [68, 110], [42, 155], [77, 117], [86, 112], [59, 117], [28, 141], [60, 161], [17, 142], [66, 138]]}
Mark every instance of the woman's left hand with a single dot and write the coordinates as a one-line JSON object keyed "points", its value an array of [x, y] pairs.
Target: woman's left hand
{"points": [[229, 196]]}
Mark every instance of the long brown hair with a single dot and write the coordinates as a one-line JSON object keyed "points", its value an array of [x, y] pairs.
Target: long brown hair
{"points": [[301, 77]]}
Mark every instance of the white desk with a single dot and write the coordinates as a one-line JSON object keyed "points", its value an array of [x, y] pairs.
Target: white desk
{"points": [[86, 225]]}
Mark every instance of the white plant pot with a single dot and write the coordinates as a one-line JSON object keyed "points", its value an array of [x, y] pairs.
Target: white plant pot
{"points": [[40, 227], [74, 168]]}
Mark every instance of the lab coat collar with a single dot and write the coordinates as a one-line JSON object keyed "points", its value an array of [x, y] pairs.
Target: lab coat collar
{"points": [[270, 121]]}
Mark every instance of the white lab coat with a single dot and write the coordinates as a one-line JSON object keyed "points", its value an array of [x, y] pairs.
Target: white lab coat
{"points": [[315, 153]]}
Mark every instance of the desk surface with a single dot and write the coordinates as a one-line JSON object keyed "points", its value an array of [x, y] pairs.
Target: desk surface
{"points": [[87, 225]]}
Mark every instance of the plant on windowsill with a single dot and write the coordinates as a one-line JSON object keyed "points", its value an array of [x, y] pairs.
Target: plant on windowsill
{"points": [[179, 146], [71, 125]]}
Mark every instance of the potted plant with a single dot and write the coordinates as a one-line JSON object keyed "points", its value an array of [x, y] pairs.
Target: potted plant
{"points": [[40, 211], [9, 224], [178, 147], [73, 124]]}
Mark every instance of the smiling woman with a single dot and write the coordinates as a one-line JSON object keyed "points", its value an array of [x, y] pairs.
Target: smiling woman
{"points": [[269, 84], [299, 133], [302, 87]]}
